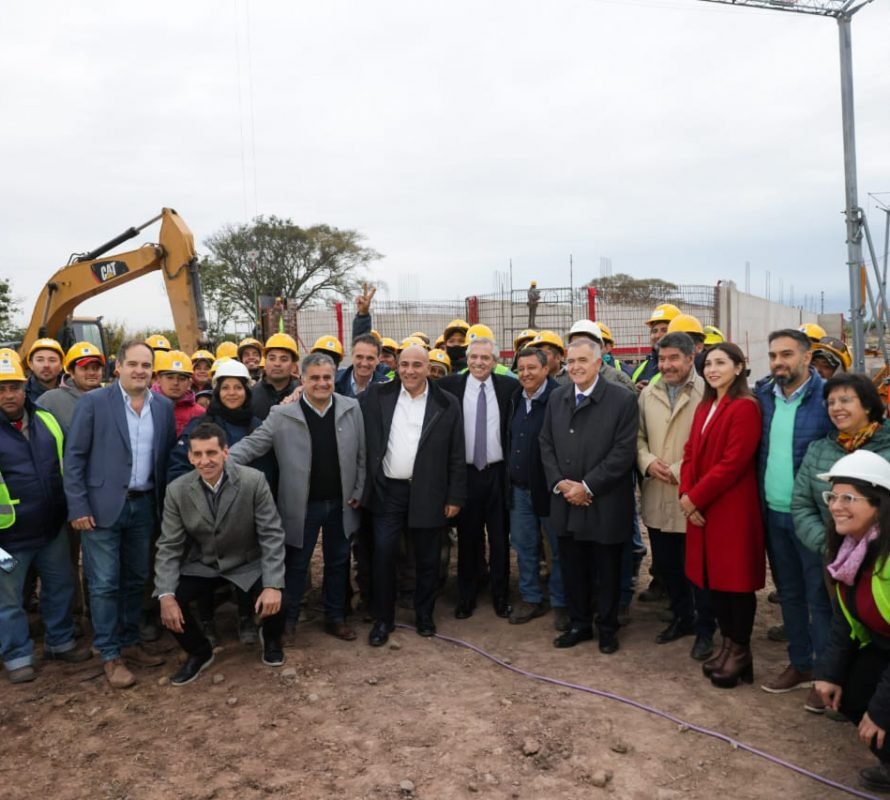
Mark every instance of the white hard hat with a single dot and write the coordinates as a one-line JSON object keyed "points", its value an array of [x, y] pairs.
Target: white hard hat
{"points": [[231, 369], [861, 465], [586, 327]]}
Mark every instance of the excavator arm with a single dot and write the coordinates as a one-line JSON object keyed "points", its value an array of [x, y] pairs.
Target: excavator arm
{"points": [[92, 273]]}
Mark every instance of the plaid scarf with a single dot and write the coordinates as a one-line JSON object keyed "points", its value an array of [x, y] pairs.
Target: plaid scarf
{"points": [[853, 441]]}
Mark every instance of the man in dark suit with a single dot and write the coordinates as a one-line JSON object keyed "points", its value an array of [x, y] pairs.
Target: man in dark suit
{"points": [[115, 473], [588, 448], [484, 399], [416, 482]]}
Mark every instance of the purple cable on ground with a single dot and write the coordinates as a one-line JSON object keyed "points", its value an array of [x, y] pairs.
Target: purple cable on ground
{"points": [[734, 743]]}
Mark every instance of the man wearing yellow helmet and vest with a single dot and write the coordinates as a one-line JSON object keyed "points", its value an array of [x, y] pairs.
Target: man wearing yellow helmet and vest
{"points": [[277, 382], [658, 327], [455, 335], [45, 363], [33, 530], [686, 323]]}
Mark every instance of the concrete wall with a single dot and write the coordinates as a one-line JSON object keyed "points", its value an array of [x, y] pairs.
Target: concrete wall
{"points": [[747, 320]]}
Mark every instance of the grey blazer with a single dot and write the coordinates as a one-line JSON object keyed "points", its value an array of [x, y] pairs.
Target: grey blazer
{"points": [[286, 432], [243, 542]]}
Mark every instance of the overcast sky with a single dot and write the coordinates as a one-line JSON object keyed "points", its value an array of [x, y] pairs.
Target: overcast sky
{"points": [[676, 137]]}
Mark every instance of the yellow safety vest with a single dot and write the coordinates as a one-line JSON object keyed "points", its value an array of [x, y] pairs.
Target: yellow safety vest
{"points": [[639, 371], [7, 504], [880, 590]]}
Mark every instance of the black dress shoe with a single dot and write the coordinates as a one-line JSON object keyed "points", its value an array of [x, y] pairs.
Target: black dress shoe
{"points": [[425, 626], [502, 608], [608, 645], [703, 648], [573, 636], [676, 630], [379, 635], [193, 667], [876, 778], [464, 611]]}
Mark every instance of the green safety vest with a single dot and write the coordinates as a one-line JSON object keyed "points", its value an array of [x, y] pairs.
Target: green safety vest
{"points": [[7, 504], [639, 370], [880, 590]]}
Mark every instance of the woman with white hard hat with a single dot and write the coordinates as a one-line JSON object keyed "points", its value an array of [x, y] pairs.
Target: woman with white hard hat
{"points": [[853, 676]]}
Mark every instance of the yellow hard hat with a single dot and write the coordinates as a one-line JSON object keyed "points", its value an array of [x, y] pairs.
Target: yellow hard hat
{"points": [[250, 342], [422, 335], [456, 325], [408, 341], [45, 344], [389, 344], [440, 342], [687, 324], [834, 347], [81, 350], [814, 332], [8, 352], [713, 335], [548, 337], [283, 341], [376, 335], [438, 356], [663, 313], [606, 331], [11, 370], [158, 342], [173, 361], [218, 363], [202, 355], [328, 344], [523, 337], [534, 284], [227, 350], [478, 331]]}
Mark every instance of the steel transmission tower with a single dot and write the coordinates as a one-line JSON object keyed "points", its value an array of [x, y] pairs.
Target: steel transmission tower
{"points": [[842, 11]]}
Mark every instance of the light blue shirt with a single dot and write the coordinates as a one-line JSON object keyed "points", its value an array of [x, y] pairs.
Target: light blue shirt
{"points": [[793, 397], [141, 428]]}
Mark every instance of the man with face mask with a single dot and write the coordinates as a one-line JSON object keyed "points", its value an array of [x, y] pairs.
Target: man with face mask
{"points": [[455, 335], [794, 415]]}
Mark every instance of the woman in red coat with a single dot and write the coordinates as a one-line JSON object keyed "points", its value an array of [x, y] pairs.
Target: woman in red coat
{"points": [[718, 494]]}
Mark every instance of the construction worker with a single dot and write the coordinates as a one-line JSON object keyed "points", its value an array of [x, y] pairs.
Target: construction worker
{"points": [[352, 381], [608, 345], [534, 297], [202, 361], [423, 337], [455, 335], [519, 341], [226, 350], [586, 328], [831, 356], [45, 363], [552, 346], [84, 364], [329, 345], [815, 333], [278, 381], [157, 342], [174, 380], [658, 326], [686, 323], [440, 364], [250, 353], [389, 354], [32, 530]]}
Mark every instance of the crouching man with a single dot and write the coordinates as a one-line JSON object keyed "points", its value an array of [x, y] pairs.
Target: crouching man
{"points": [[220, 524]]}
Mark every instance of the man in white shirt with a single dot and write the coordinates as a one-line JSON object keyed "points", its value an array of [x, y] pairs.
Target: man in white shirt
{"points": [[416, 482]]}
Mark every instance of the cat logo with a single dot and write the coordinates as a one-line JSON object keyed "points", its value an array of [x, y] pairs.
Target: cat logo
{"points": [[105, 271]]}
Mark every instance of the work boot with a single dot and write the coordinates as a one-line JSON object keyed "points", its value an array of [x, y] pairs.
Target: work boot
{"points": [[22, 674], [73, 656], [119, 677], [525, 612], [138, 656], [876, 778]]}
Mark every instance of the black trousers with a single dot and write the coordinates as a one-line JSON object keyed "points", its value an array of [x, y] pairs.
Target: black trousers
{"points": [[486, 510], [191, 588], [589, 565], [389, 525], [864, 675], [735, 614], [689, 604]]}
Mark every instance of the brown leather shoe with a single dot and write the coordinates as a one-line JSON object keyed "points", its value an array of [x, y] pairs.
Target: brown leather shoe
{"points": [[737, 666], [814, 703], [789, 680], [716, 663], [341, 630], [119, 677], [525, 612], [138, 656]]}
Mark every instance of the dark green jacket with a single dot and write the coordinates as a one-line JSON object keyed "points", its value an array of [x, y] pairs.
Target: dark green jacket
{"points": [[809, 512]]}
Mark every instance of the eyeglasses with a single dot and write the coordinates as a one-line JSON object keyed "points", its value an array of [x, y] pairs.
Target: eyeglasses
{"points": [[844, 500]]}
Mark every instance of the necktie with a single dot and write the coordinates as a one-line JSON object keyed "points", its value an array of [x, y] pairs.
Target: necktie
{"points": [[480, 456], [579, 398]]}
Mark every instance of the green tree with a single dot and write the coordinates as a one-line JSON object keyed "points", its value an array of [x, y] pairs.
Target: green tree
{"points": [[622, 289], [9, 307], [275, 257]]}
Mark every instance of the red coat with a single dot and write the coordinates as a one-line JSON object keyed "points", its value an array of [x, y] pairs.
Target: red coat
{"points": [[718, 475]]}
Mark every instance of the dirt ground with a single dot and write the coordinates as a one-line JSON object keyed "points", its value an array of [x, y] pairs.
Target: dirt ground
{"points": [[419, 718]]}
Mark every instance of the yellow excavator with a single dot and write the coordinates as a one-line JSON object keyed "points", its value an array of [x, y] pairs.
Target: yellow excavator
{"points": [[89, 274]]}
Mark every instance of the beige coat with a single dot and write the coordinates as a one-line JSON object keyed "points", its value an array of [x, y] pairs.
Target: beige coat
{"points": [[663, 434]]}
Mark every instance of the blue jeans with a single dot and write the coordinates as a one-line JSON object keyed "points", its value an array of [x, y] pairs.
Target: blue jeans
{"points": [[806, 609], [327, 514], [525, 526], [53, 565], [117, 564]]}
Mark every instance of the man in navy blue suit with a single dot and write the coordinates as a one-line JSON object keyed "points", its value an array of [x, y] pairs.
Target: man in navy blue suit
{"points": [[115, 473]]}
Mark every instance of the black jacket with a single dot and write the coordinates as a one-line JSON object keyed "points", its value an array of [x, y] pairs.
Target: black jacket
{"points": [[440, 473], [264, 395]]}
